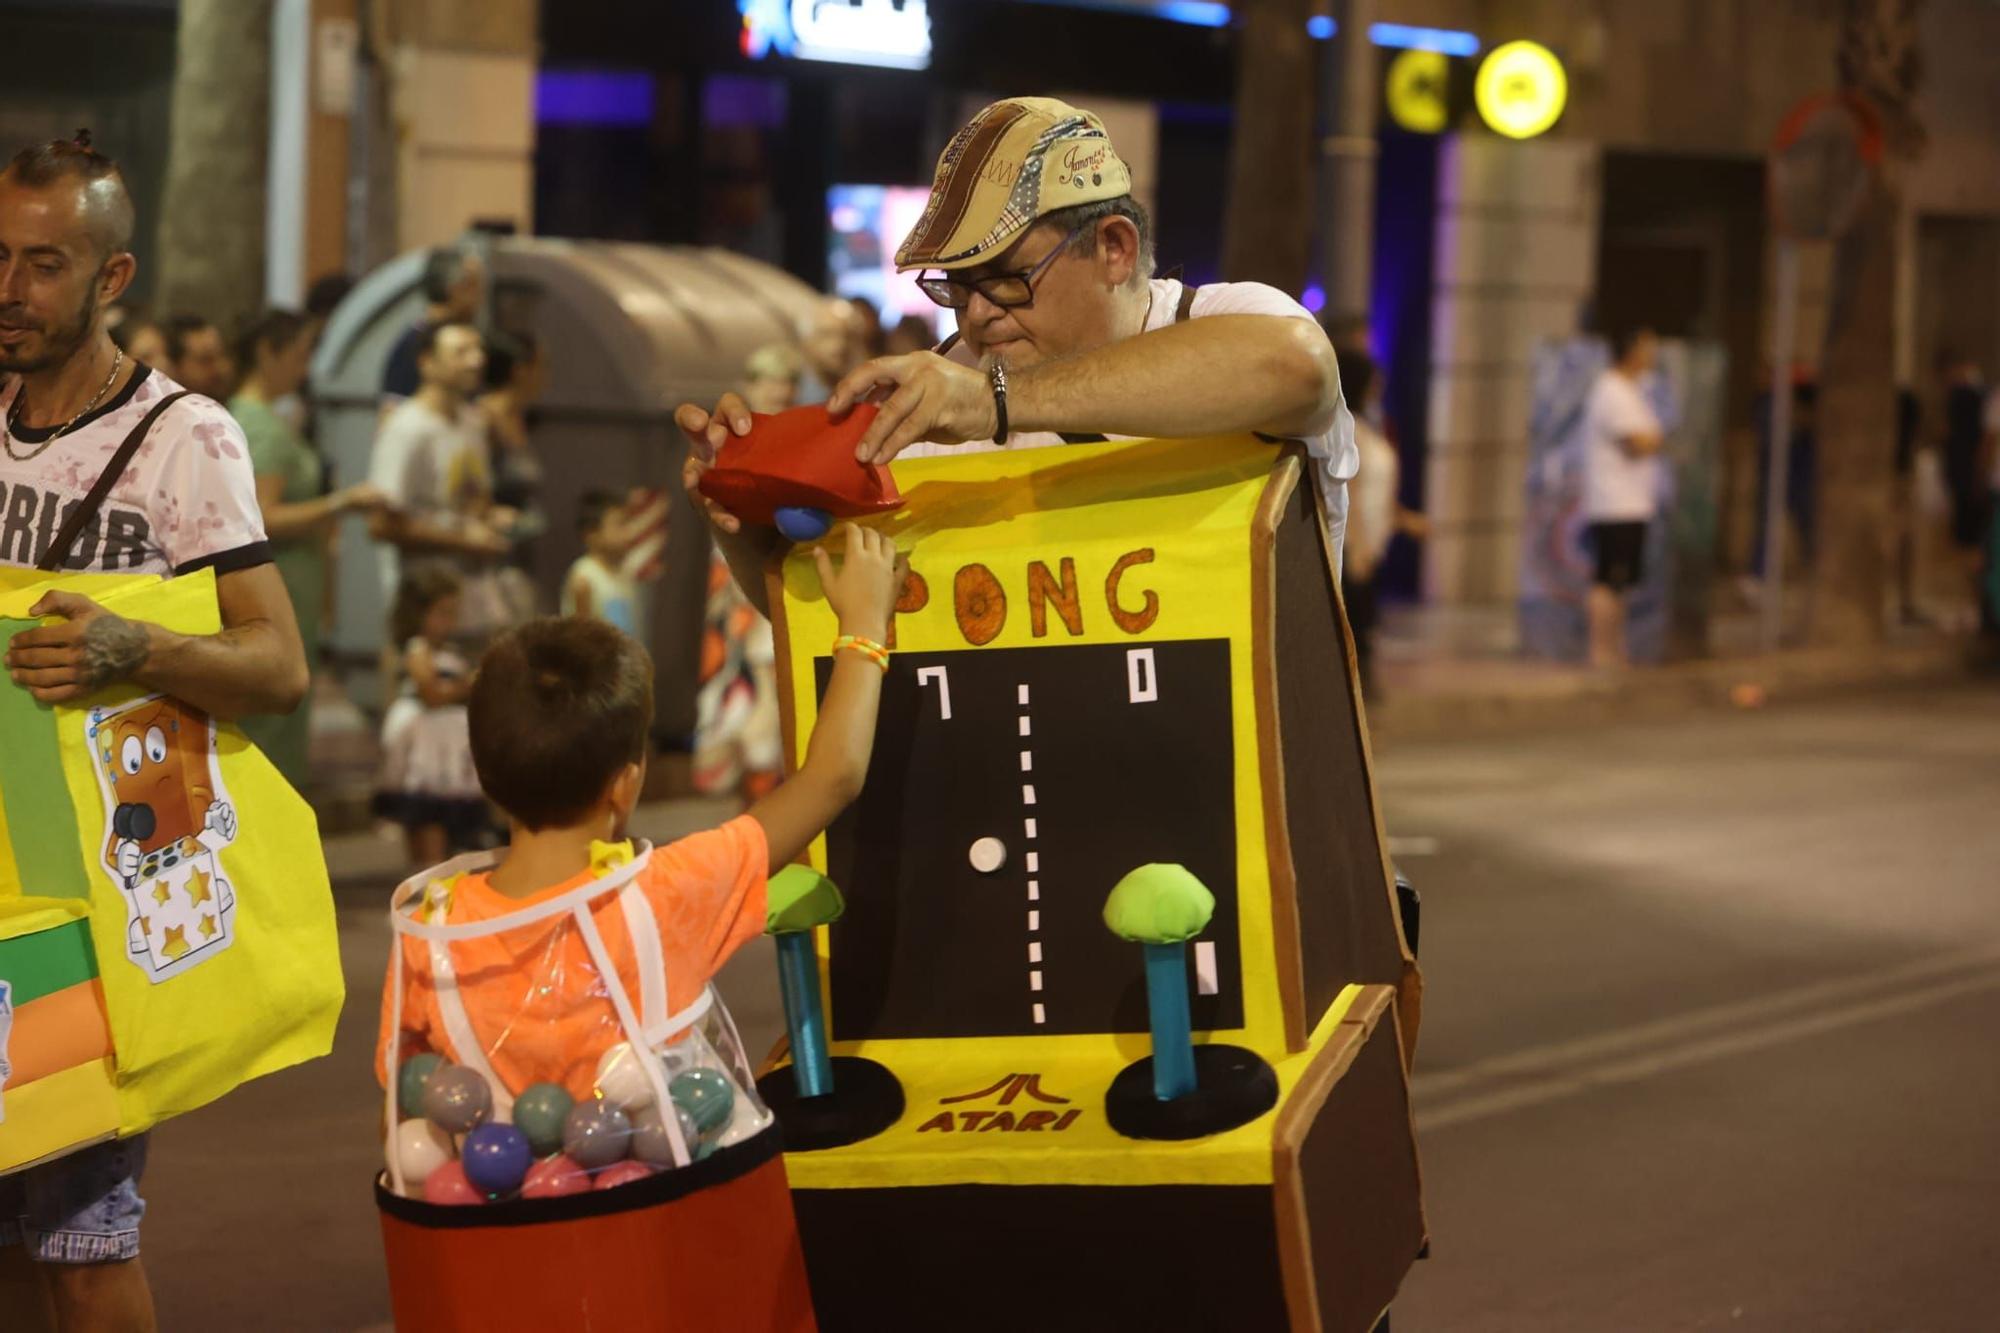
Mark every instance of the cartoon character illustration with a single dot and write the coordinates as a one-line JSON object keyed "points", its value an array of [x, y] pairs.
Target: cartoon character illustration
{"points": [[166, 818]]}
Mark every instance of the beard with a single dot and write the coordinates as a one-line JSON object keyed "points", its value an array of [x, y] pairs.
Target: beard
{"points": [[55, 345]]}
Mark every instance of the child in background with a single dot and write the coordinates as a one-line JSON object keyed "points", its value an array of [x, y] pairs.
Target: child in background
{"points": [[600, 583], [428, 784], [560, 713]]}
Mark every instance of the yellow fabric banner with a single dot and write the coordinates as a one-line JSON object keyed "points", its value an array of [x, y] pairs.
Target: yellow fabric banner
{"points": [[210, 911]]}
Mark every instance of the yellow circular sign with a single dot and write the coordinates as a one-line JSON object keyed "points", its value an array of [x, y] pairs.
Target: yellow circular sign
{"points": [[1416, 91], [1521, 89]]}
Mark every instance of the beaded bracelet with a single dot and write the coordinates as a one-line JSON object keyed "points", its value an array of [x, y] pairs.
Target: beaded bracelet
{"points": [[868, 648]]}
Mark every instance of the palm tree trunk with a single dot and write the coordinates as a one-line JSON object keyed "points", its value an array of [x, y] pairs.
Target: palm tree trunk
{"points": [[212, 219]]}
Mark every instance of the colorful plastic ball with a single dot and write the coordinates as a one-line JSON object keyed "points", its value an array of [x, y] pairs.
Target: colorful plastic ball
{"points": [[553, 1178], [496, 1157], [622, 1173], [596, 1134], [539, 1113], [621, 1078], [800, 524], [420, 1148], [410, 1080], [652, 1144], [457, 1100], [704, 1094], [448, 1184]]}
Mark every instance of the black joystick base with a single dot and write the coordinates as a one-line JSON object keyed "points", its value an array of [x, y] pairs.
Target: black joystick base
{"points": [[1232, 1087], [866, 1099]]}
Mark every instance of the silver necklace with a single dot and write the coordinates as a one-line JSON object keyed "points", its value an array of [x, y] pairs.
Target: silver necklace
{"points": [[20, 396]]}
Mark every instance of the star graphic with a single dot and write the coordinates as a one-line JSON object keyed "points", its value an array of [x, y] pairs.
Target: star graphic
{"points": [[209, 927], [161, 891], [197, 888], [174, 943]]}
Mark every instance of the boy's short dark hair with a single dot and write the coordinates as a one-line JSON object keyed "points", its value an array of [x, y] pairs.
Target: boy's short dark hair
{"points": [[592, 509], [558, 708]]}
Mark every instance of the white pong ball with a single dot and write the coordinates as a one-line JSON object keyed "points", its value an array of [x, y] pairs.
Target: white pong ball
{"points": [[987, 855], [621, 1078], [420, 1148]]}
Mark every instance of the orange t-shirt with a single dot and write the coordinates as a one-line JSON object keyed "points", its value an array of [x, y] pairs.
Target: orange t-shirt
{"points": [[533, 994]]}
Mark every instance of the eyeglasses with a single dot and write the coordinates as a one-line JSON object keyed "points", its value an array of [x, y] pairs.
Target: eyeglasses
{"points": [[1006, 290]]}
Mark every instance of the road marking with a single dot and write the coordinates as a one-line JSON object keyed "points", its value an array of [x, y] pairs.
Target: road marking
{"points": [[1773, 1027], [1621, 1041]]}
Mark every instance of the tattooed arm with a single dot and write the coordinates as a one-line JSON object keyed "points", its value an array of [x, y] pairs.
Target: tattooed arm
{"points": [[255, 665]]}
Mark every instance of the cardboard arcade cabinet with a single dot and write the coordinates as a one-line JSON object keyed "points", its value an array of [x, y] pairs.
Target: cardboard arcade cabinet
{"points": [[1107, 657]]}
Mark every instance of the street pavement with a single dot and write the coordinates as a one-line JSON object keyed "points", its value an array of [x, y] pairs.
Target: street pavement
{"points": [[1707, 1043]]}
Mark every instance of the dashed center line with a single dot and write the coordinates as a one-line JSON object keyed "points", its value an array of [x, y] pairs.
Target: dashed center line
{"points": [[1034, 862]]}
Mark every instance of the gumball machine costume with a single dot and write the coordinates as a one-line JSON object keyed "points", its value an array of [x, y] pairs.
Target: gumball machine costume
{"points": [[623, 1167]]}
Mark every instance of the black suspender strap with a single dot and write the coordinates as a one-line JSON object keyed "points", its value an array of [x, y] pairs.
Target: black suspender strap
{"points": [[86, 509]]}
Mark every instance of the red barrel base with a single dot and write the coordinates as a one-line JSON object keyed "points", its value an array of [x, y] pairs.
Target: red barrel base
{"points": [[723, 1257]]}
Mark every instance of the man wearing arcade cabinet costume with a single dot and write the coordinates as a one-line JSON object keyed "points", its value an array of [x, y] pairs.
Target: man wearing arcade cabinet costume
{"points": [[1032, 237]]}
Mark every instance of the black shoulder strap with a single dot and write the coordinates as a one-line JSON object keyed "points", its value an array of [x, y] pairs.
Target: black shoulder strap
{"points": [[80, 517], [1186, 306]]}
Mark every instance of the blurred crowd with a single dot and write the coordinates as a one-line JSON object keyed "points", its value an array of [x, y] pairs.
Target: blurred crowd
{"points": [[454, 514]]}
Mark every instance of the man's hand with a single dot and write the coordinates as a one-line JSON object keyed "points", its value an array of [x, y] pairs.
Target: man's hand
{"points": [[92, 648], [706, 433], [932, 399]]}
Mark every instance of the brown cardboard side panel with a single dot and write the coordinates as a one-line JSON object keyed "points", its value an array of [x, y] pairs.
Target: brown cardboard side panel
{"points": [[1347, 915], [1288, 960], [1363, 1195]]}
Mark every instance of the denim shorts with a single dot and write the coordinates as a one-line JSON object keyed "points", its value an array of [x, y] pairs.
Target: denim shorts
{"points": [[80, 1209]]}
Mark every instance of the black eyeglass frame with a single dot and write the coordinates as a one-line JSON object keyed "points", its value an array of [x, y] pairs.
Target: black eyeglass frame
{"points": [[942, 288]]}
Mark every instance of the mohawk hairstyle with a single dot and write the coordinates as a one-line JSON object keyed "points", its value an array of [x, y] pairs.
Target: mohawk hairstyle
{"points": [[60, 160]]}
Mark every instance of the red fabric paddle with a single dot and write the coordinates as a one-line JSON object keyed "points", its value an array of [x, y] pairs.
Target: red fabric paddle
{"points": [[800, 459]]}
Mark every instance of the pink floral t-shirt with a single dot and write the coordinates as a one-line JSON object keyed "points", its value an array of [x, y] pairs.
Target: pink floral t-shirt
{"points": [[187, 500]]}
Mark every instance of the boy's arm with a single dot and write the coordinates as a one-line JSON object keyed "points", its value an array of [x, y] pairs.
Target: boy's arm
{"points": [[836, 761], [862, 596]]}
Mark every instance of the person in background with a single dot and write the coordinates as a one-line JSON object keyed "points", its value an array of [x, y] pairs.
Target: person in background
{"points": [[198, 357], [1374, 516], [600, 583], [830, 345], [913, 333], [868, 332], [328, 290], [1801, 474], [1989, 463], [428, 784], [515, 377], [454, 287], [1622, 442], [771, 378], [1964, 408], [299, 513], [430, 460], [142, 339]]}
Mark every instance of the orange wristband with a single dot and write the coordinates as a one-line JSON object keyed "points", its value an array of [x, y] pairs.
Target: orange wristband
{"points": [[868, 648]]}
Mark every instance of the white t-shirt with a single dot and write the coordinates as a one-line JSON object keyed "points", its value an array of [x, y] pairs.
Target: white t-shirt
{"points": [[1330, 439], [186, 501], [1620, 488], [1373, 492], [1992, 424], [431, 468]]}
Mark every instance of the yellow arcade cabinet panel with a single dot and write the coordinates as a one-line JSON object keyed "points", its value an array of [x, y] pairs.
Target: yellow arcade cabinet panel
{"points": [[1107, 657]]}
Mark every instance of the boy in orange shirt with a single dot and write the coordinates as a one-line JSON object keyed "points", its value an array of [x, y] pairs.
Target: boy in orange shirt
{"points": [[559, 716]]}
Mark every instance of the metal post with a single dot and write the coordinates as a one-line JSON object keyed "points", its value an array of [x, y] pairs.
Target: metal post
{"points": [[1347, 152], [1783, 334]]}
